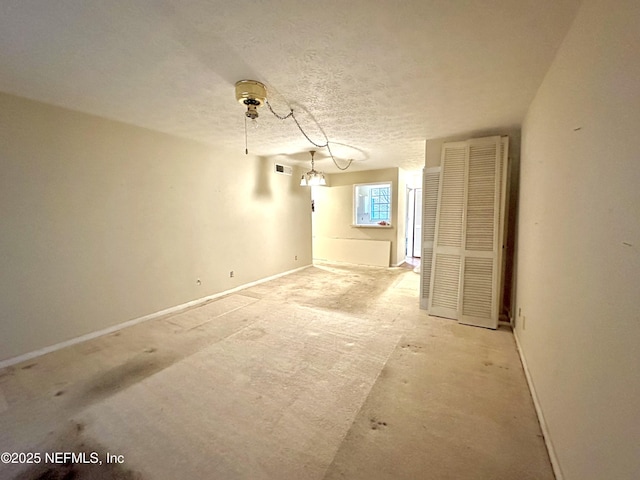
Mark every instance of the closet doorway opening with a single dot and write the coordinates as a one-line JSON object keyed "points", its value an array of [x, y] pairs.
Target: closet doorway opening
{"points": [[414, 224]]}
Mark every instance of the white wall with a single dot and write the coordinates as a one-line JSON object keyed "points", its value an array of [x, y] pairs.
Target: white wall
{"points": [[104, 222], [333, 217], [579, 245]]}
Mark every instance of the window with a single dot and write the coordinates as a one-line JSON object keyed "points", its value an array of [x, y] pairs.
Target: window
{"points": [[372, 204]]}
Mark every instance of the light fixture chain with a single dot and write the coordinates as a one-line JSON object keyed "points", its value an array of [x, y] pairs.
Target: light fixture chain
{"points": [[326, 145], [307, 136], [292, 115], [336, 163], [281, 117]]}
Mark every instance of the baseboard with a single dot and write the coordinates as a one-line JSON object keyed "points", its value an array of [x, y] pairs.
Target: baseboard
{"points": [[322, 261], [398, 264], [168, 311], [543, 424]]}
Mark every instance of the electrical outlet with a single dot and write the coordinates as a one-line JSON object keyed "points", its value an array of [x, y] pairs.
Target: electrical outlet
{"points": [[231, 274], [519, 311], [296, 257], [198, 282]]}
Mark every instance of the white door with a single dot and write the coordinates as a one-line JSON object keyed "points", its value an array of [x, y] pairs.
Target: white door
{"points": [[430, 186], [447, 256], [466, 267], [480, 268]]}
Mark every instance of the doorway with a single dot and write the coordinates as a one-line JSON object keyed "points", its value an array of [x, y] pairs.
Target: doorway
{"points": [[414, 223]]}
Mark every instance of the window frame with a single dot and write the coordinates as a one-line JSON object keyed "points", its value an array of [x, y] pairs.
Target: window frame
{"points": [[375, 224]]}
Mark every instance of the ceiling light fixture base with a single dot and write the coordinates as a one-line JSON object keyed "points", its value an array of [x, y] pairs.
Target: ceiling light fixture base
{"points": [[252, 94]]}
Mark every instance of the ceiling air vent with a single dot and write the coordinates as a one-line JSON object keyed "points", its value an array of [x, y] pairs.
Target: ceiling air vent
{"points": [[283, 169]]}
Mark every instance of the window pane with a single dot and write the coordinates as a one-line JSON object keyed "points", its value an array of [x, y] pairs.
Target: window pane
{"points": [[372, 203], [380, 203]]}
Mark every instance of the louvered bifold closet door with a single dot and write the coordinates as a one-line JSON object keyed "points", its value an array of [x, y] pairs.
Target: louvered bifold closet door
{"points": [[480, 267], [430, 184], [445, 270]]}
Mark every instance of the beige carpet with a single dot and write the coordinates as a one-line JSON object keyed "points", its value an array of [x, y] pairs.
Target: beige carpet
{"points": [[329, 373]]}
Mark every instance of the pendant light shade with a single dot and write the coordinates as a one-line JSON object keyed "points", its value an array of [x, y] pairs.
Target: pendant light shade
{"points": [[312, 177]]}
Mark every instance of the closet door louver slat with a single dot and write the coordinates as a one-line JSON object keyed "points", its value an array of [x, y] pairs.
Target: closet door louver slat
{"points": [[477, 294], [445, 290], [481, 201], [449, 232]]}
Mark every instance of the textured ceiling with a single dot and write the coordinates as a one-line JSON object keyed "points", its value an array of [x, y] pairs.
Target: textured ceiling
{"points": [[378, 77]]}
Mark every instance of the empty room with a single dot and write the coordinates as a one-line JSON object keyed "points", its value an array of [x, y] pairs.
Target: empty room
{"points": [[292, 240]]}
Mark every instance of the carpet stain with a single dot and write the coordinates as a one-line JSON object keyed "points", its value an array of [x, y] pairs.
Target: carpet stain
{"points": [[90, 462], [81, 471], [123, 376], [351, 294], [411, 347], [375, 424], [253, 333]]}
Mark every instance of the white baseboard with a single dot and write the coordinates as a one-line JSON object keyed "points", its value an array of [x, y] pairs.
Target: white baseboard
{"points": [[105, 331], [543, 424], [322, 261]]}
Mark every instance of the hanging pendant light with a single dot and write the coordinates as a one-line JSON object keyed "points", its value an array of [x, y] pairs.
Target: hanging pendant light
{"points": [[312, 177]]}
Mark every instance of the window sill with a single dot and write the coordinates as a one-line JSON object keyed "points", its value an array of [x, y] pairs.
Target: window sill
{"points": [[372, 226]]}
